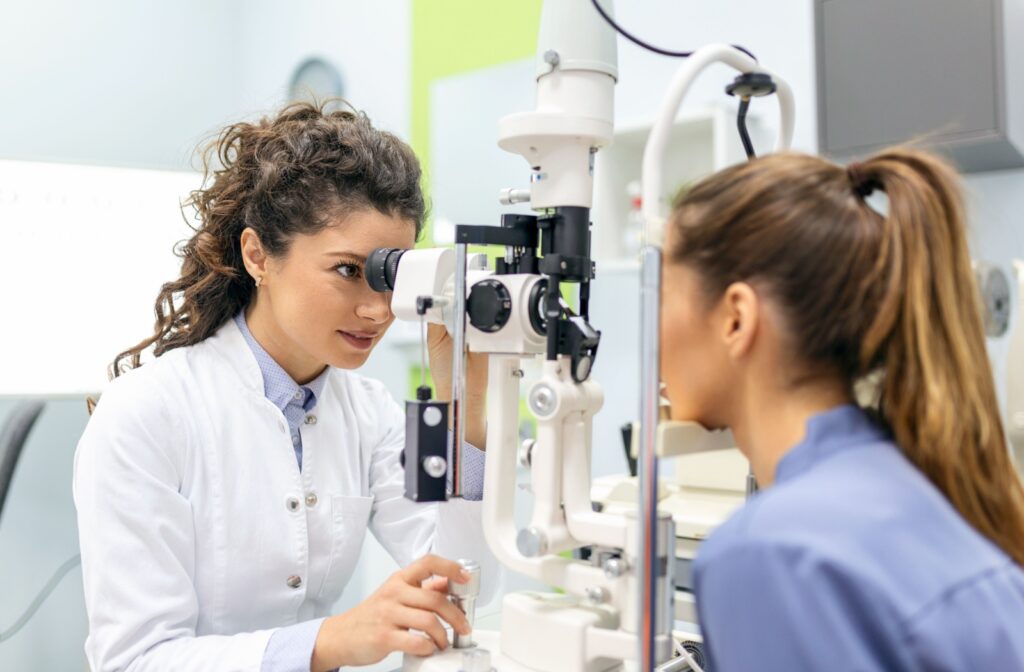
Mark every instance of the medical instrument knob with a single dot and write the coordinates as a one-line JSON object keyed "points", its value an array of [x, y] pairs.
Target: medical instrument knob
{"points": [[526, 453], [489, 305], [476, 660], [463, 596], [510, 196], [471, 589], [531, 542], [543, 400], [435, 466], [615, 567]]}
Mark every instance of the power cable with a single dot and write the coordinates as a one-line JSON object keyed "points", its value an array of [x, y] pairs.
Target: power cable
{"points": [[647, 45]]}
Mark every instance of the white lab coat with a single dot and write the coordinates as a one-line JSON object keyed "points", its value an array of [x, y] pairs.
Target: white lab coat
{"points": [[200, 535]]}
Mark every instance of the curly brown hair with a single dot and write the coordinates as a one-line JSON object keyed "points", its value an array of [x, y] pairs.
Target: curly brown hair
{"points": [[289, 174]]}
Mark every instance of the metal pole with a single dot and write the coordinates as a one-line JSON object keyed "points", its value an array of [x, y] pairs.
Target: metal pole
{"points": [[459, 370], [647, 575]]}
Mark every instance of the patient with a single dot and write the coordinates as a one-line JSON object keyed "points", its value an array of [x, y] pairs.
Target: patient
{"points": [[889, 531]]}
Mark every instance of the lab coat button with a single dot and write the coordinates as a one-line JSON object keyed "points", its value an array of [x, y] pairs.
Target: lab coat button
{"points": [[293, 504], [310, 419], [311, 499], [294, 581]]}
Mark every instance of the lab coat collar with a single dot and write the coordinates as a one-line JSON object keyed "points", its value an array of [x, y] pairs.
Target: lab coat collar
{"points": [[230, 347], [279, 387], [836, 430]]}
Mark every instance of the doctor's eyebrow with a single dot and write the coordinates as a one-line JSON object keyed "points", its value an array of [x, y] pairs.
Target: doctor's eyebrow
{"points": [[344, 254]]}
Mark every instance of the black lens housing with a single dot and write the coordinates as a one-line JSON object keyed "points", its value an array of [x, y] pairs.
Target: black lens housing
{"points": [[382, 268]]}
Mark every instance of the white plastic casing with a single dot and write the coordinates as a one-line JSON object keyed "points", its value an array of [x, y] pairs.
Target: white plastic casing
{"points": [[431, 272], [576, 32], [452, 659], [577, 66], [547, 632], [424, 272], [517, 336]]}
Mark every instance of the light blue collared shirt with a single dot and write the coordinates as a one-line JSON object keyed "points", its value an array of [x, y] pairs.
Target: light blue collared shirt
{"points": [[290, 649], [853, 560], [294, 401]]}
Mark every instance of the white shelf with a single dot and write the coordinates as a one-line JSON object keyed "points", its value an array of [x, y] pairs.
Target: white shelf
{"points": [[702, 141]]}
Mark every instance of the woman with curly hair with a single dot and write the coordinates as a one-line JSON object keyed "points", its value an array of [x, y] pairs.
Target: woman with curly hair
{"points": [[224, 488]]}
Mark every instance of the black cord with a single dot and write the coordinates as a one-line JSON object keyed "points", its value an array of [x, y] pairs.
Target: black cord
{"points": [[646, 45], [741, 122]]}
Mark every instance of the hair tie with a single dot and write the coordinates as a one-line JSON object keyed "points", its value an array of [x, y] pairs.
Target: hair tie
{"points": [[862, 185]]}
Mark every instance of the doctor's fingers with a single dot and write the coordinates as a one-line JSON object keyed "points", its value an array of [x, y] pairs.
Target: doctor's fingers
{"points": [[430, 565], [424, 621], [422, 598], [410, 642], [437, 583]]}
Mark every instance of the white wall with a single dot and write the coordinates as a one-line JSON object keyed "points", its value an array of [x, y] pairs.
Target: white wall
{"points": [[779, 33], [370, 43], [996, 202], [115, 82], [74, 234]]}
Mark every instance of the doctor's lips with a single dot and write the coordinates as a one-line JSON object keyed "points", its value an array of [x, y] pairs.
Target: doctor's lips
{"points": [[360, 339]]}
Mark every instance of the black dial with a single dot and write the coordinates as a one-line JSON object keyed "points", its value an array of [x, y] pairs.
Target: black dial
{"points": [[489, 305]]}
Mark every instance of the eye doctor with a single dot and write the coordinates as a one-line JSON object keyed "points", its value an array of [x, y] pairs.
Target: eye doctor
{"points": [[224, 488]]}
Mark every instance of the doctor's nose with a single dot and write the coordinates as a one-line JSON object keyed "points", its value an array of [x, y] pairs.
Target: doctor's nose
{"points": [[375, 306]]}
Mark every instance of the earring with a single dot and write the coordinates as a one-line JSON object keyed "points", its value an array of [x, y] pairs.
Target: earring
{"points": [[259, 279]]}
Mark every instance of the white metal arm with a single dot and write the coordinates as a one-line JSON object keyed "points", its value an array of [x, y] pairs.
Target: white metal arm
{"points": [[657, 142]]}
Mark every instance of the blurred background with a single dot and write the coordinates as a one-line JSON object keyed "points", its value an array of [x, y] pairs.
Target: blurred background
{"points": [[105, 101]]}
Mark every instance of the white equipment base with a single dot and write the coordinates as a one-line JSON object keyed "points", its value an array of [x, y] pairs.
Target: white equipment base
{"points": [[545, 631], [450, 660]]}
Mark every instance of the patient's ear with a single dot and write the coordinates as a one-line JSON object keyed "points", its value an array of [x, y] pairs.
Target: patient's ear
{"points": [[741, 315]]}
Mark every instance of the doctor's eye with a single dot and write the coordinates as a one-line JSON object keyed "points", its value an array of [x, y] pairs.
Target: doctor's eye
{"points": [[348, 271]]}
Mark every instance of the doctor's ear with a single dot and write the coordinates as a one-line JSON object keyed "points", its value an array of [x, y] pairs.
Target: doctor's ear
{"points": [[741, 313], [253, 255]]}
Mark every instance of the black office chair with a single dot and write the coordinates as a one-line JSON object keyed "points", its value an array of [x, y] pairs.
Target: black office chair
{"points": [[13, 435]]}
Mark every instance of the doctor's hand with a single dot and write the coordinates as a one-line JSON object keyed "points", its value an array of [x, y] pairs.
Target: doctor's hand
{"points": [[439, 346], [411, 599]]}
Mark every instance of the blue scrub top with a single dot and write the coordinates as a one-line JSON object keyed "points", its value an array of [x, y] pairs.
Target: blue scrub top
{"points": [[853, 560]]}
